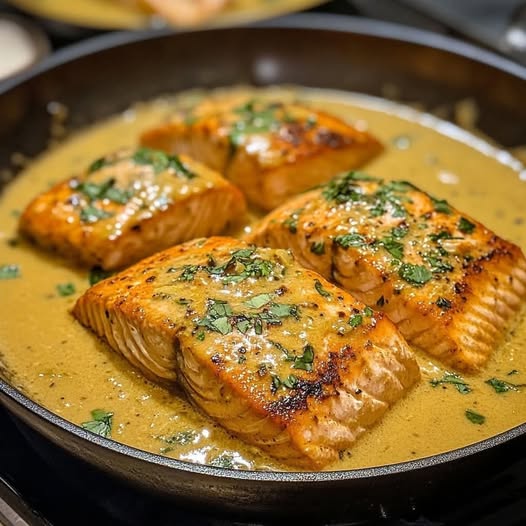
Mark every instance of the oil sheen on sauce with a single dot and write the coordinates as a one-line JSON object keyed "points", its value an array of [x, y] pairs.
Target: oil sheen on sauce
{"points": [[62, 366]]}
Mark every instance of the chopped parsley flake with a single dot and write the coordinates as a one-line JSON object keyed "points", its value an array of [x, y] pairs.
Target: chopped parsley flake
{"points": [[441, 206], [255, 302], [161, 161], [182, 438], [465, 226], [100, 424], [305, 360], [98, 164], [355, 320], [66, 289], [474, 417], [292, 221], [350, 240], [92, 214], [317, 247], [415, 274], [501, 386], [454, 379], [320, 290], [395, 248], [11, 271], [96, 274], [368, 312]]}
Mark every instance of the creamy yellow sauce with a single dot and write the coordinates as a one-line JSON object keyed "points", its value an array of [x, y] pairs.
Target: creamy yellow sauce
{"points": [[61, 365]]}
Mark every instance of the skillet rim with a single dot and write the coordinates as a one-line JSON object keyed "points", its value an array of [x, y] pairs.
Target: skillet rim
{"points": [[324, 22]]}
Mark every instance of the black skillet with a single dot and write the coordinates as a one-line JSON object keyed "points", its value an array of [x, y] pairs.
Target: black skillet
{"points": [[104, 76]]}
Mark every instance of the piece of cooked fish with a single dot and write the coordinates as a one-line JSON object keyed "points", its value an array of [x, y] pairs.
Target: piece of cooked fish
{"points": [[186, 12], [451, 285], [272, 351], [270, 150], [129, 205]]}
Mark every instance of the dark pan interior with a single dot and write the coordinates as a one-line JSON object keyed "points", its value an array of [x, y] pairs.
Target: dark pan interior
{"points": [[104, 76]]}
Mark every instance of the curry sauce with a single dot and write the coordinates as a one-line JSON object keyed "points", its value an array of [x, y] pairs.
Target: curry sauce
{"points": [[58, 363]]}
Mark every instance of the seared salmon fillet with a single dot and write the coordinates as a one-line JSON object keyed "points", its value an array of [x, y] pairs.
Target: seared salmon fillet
{"points": [[129, 205], [451, 285], [270, 150], [272, 351]]}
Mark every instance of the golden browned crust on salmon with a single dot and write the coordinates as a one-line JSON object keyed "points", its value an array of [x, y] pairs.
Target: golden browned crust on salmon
{"points": [[129, 205], [272, 351], [452, 286], [270, 150]]}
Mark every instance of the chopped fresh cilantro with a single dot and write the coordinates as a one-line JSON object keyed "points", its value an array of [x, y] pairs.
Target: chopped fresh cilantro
{"points": [[355, 320], [225, 460], [350, 240], [258, 301], [317, 247], [305, 360], [182, 438], [100, 424], [92, 214], [11, 271], [96, 274], [368, 312], [320, 290], [454, 379], [161, 161], [501, 386], [394, 248], [474, 417], [415, 274], [399, 232], [98, 164], [441, 206], [217, 317], [465, 226], [290, 382], [292, 221], [65, 289]]}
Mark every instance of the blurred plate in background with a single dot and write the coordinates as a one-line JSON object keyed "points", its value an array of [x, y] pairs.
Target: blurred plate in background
{"points": [[127, 14]]}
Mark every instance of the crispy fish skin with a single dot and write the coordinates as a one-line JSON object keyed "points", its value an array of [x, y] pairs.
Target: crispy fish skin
{"points": [[270, 150], [129, 205], [262, 345], [451, 285]]}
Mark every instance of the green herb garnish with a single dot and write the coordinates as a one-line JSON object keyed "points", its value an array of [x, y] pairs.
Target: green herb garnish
{"points": [[97, 274], [355, 320], [350, 240], [441, 206], [415, 274], [317, 247], [475, 418], [161, 161], [465, 226], [454, 379], [320, 290], [65, 289], [11, 271], [305, 360], [100, 424], [92, 214], [501, 386]]}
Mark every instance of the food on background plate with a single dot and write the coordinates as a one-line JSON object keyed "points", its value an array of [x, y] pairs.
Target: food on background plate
{"points": [[269, 149], [272, 351], [186, 12], [130, 204], [451, 285]]}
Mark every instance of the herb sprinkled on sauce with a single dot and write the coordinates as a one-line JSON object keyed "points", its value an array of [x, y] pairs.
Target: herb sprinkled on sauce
{"points": [[474, 417], [454, 379], [100, 424], [415, 274], [161, 161], [10, 271], [97, 274], [465, 226], [320, 290], [65, 289], [500, 386]]}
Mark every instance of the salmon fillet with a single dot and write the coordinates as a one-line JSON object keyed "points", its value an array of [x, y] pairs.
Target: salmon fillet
{"points": [[272, 351], [270, 150], [451, 285], [129, 205]]}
